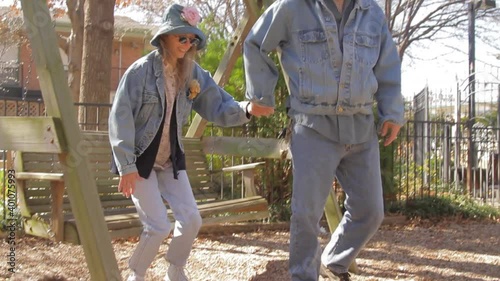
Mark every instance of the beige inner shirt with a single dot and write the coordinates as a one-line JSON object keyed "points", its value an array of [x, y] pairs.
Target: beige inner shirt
{"points": [[163, 157]]}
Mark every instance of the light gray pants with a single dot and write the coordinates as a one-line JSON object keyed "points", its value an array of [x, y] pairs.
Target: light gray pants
{"points": [[152, 212], [316, 161]]}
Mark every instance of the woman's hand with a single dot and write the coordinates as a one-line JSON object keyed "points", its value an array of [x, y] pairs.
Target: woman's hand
{"points": [[127, 183]]}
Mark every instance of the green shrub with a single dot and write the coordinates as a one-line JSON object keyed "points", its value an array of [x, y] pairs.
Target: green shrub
{"points": [[442, 207], [280, 211]]}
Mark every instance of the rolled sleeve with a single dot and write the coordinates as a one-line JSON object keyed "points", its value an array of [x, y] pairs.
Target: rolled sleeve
{"points": [[261, 72], [389, 99], [216, 105], [122, 125]]}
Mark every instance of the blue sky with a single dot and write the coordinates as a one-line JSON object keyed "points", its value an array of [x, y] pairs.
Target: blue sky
{"points": [[441, 68]]}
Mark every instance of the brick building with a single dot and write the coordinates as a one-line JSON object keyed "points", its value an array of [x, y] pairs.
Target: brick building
{"points": [[18, 78]]}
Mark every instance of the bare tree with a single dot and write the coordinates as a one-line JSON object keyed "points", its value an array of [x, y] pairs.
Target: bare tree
{"points": [[227, 13], [96, 59], [417, 21], [73, 45], [11, 36]]}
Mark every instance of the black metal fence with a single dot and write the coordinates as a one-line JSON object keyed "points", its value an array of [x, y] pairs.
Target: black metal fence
{"points": [[433, 162], [442, 150]]}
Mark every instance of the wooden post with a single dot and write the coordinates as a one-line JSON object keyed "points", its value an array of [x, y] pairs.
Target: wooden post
{"points": [[57, 217], [248, 173], [226, 65], [249, 183], [333, 217], [82, 190]]}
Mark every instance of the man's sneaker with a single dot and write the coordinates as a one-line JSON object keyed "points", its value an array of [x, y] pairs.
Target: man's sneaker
{"points": [[343, 276], [176, 273], [325, 272]]}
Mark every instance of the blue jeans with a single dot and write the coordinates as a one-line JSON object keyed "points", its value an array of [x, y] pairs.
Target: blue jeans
{"points": [[148, 199], [316, 161]]}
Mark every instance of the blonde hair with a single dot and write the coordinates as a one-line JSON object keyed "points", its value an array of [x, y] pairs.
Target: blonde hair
{"points": [[184, 67]]}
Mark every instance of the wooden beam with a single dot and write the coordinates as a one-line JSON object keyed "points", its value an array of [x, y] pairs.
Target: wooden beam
{"points": [[82, 190], [253, 8], [33, 134], [225, 68], [40, 176], [248, 147], [57, 216], [333, 216], [242, 167], [244, 227], [21, 184], [234, 218]]}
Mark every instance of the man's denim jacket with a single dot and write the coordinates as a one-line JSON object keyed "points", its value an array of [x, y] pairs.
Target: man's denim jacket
{"points": [[139, 108], [322, 78]]}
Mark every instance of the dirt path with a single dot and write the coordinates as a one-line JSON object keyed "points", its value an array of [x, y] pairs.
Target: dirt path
{"points": [[448, 251]]}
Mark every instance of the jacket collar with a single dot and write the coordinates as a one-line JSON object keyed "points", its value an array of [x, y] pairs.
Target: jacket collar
{"points": [[157, 63], [364, 4]]}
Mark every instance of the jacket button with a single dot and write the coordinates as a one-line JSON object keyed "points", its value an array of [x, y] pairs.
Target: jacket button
{"points": [[340, 109]]}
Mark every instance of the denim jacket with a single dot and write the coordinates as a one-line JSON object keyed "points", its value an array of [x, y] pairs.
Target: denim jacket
{"points": [[322, 78], [139, 107]]}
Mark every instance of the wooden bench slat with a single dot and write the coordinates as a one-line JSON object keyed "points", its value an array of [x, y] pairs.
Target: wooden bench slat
{"points": [[235, 205], [42, 167], [38, 192], [210, 221], [242, 167], [39, 176], [40, 157]]}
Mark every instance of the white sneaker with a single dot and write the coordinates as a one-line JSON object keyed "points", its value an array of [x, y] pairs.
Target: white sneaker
{"points": [[134, 277], [176, 273]]}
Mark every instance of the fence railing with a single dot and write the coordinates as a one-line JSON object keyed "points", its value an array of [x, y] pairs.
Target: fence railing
{"points": [[91, 116], [433, 162]]}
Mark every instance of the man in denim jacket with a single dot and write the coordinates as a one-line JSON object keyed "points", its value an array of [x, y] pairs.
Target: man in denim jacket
{"points": [[338, 59]]}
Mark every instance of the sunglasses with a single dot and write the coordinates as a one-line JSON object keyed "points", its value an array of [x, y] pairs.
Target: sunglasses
{"points": [[184, 40]]}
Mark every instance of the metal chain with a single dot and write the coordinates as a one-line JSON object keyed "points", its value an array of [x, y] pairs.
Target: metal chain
{"points": [[211, 162], [26, 84]]}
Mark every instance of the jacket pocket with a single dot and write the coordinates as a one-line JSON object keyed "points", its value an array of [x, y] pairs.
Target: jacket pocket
{"points": [[313, 45], [150, 100], [184, 107], [366, 48]]}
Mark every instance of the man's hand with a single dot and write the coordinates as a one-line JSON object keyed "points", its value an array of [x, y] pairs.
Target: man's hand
{"points": [[390, 132], [127, 183], [259, 110]]}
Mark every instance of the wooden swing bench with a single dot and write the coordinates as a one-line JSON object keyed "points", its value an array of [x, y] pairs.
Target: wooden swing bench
{"points": [[46, 209]]}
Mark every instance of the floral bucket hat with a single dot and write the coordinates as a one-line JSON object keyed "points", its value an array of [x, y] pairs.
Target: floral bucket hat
{"points": [[180, 20]]}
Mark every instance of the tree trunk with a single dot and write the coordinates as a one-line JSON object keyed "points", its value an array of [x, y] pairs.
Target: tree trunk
{"points": [[96, 63], [75, 46]]}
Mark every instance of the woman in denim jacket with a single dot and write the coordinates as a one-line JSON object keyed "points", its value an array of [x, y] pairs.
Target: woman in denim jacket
{"points": [[338, 59], [152, 102]]}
